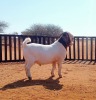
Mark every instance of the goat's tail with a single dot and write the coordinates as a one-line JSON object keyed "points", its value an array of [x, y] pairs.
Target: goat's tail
{"points": [[26, 41]]}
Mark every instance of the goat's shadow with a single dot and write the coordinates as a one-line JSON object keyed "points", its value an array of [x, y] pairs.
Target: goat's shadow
{"points": [[50, 83]]}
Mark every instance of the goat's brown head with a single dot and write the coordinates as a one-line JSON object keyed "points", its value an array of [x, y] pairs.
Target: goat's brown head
{"points": [[66, 39]]}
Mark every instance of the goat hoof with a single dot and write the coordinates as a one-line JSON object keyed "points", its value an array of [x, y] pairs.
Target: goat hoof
{"points": [[30, 78], [60, 76], [52, 75]]}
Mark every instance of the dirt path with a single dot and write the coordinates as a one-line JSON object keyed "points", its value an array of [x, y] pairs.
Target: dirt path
{"points": [[78, 83]]}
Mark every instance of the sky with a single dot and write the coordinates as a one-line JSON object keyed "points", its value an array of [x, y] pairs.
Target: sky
{"points": [[75, 16]]}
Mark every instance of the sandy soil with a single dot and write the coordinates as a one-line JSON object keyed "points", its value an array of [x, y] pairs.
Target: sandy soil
{"points": [[78, 82]]}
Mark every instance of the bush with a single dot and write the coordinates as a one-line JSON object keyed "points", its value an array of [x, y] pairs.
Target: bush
{"points": [[43, 30], [3, 25]]}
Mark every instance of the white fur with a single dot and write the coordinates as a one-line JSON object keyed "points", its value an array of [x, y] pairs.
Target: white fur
{"points": [[26, 41], [43, 54]]}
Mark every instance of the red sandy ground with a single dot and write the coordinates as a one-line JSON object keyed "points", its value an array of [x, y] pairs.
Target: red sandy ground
{"points": [[78, 82]]}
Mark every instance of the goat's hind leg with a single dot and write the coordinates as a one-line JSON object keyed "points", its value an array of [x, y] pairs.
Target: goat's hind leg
{"points": [[27, 69]]}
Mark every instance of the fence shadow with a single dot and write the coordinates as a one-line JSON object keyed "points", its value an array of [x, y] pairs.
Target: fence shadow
{"points": [[49, 83], [80, 62]]}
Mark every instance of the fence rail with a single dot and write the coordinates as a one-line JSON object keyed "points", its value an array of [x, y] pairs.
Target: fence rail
{"points": [[84, 48]]}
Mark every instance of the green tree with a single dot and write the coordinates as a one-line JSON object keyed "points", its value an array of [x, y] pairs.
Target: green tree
{"points": [[41, 30], [3, 25]]}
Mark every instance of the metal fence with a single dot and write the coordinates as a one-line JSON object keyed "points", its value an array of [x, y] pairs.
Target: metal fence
{"points": [[84, 48], [11, 46]]}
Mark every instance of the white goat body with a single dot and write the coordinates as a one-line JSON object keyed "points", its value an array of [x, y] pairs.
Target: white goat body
{"points": [[46, 54], [43, 54]]}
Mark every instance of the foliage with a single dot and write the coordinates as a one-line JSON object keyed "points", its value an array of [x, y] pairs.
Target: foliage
{"points": [[41, 30], [3, 25], [15, 33]]}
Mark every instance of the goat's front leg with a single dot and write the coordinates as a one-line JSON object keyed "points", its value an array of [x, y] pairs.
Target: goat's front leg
{"points": [[59, 69], [53, 68]]}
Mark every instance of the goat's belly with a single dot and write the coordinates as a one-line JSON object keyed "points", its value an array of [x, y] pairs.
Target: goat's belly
{"points": [[46, 60]]}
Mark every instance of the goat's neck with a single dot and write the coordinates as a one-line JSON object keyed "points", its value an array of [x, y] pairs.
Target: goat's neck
{"points": [[62, 41]]}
